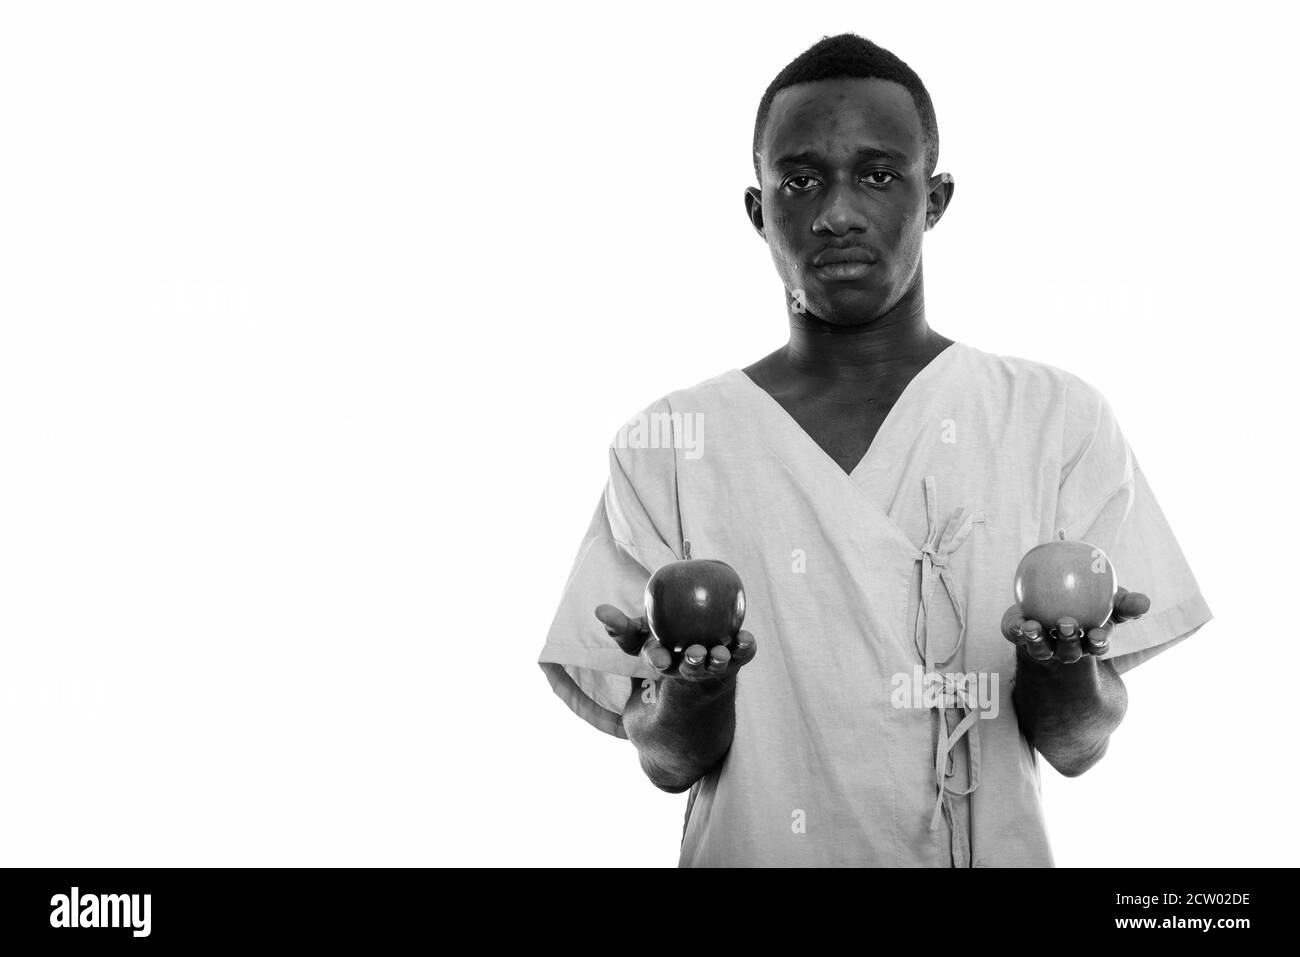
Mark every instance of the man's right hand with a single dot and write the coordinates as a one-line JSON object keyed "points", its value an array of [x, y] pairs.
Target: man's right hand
{"points": [[698, 663]]}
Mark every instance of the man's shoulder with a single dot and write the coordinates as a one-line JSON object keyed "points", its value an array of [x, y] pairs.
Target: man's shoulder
{"points": [[705, 392], [673, 424], [1041, 383], [1046, 396], [715, 392], [1027, 372]]}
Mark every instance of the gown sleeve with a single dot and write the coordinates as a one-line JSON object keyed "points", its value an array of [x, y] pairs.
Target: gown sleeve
{"points": [[1105, 499], [628, 539]]}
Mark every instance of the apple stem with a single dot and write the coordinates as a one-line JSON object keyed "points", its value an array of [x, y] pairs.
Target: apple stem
{"points": [[1061, 533], [686, 548]]}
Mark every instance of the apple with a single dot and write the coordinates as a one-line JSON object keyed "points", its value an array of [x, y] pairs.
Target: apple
{"points": [[694, 602], [1062, 579]]}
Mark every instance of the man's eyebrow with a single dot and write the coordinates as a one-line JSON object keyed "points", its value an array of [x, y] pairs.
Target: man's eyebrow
{"points": [[867, 152]]}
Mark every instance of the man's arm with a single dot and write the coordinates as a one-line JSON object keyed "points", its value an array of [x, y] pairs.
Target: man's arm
{"points": [[1068, 711], [683, 722], [681, 730], [1067, 699]]}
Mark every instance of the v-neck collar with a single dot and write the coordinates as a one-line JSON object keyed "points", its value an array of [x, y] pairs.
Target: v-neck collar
{"points": [[916, 385]]}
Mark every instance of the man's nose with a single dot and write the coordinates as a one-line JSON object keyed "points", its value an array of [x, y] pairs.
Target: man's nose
{"points": [[841, 212]]}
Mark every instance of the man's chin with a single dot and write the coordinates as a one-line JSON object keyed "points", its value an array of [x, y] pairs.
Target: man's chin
{"points": [[843, 307]]}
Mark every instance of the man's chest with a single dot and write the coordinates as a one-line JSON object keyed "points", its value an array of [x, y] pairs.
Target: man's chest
{"points": [[844, 427]]}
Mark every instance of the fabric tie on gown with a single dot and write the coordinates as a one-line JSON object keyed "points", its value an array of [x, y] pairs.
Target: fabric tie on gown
{"points": [[933, 557]]}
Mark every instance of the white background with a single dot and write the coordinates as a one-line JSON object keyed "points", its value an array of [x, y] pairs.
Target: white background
{"points": [[316, 319]]}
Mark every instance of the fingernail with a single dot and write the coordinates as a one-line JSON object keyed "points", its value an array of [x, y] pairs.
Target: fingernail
{"points": [[693, 661]]}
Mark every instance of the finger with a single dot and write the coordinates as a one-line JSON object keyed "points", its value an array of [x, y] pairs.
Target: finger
{"points": [[746, 648], [1130, 605], [629, 633], [1036, 644], [693, 667], [1098, 642], [1012, 625], [1068, 635], [657, 656], [719, 659]]}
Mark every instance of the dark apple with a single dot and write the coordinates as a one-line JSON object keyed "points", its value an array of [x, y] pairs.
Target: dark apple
{"points": [[1062, 579], [694, 602]]}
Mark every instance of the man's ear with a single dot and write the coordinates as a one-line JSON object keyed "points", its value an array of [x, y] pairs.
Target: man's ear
{"points": [[941, 189], [754, 208]]}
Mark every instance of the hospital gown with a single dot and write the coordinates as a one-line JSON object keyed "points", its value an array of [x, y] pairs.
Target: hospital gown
{"points": [[875, 726]]}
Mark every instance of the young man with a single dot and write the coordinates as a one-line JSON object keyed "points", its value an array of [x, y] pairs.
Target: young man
{"points": [[875, 485]]}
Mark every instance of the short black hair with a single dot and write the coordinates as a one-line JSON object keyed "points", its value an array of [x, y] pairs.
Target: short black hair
{"points": [[849, 56]]}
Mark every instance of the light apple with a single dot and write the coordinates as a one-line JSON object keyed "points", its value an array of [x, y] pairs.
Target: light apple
{"points": [[1062, 579], [695, 602]]}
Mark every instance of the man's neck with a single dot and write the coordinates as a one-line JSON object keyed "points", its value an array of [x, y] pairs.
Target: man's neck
{"points": [[899, 339]]}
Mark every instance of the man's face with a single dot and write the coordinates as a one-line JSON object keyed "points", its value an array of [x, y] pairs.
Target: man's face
{"points": [[844, 199]]}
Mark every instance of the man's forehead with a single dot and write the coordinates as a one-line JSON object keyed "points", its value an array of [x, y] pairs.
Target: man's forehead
{"points": [[843, 115]]}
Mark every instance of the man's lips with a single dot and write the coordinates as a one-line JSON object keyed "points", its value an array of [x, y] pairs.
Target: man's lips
{"points": [[844, 272], [853, 254], [844, 264]]}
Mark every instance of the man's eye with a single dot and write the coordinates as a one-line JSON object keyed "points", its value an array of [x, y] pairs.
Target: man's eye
{"points": [[801, 183], [882, 172]]}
